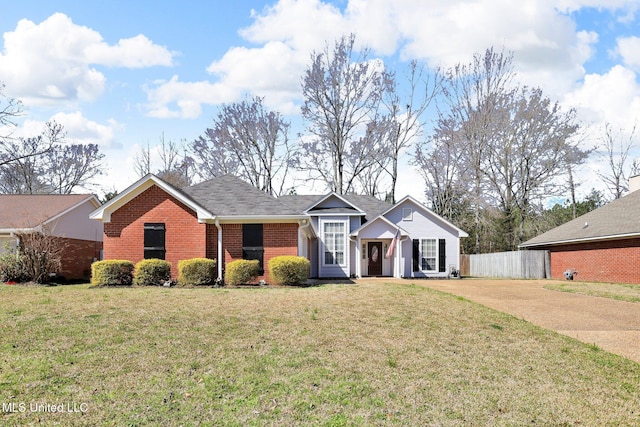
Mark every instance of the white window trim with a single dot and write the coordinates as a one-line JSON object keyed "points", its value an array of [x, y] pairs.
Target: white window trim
{"points": [[437, 255], [345, 243], [407, 214]]}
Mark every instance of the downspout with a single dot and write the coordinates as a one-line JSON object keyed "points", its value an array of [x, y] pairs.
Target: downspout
{"points": [[303, 224], [220, 254], [399, 272]]}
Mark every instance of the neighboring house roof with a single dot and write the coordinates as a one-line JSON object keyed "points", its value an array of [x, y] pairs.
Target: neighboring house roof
{"points": [[615, 220], [29, 211]]}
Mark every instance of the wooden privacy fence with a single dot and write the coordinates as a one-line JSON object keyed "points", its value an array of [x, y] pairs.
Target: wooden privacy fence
{"points": [[510, 265]]}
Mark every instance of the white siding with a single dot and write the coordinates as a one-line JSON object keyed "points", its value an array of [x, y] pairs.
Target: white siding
{"points": [[76, 224], [425, 225]]}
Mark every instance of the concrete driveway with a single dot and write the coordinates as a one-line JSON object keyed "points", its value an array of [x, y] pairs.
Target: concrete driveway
{"points": [[612, 325]]}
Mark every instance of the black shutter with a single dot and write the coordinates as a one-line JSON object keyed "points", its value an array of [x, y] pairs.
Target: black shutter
{"points": [[416, 255], [442, 253], [252, 243], [154, 240]]}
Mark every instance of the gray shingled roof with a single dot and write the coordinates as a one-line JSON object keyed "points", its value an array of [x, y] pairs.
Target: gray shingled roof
{"points": [[369, 204], [615, 220], [230, 195]]}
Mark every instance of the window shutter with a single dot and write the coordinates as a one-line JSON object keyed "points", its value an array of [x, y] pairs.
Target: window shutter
{"points": [[154, 240], [442, 251], [416, 255]]}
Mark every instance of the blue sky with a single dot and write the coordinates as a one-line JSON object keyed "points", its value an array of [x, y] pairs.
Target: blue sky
{"points": [[122, 73]]}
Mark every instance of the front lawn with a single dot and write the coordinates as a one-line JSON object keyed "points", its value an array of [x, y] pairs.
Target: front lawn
{"points": [[365, 354], [617, 291]]}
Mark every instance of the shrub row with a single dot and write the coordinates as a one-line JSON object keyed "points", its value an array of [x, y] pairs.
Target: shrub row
{"points": [[285, 270], [152, 272]]}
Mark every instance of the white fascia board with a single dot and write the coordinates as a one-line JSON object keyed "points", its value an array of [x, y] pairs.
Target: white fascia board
{"points": [[339, 197], [104, 212], [90, 197], [582, 240], [381, 218], [257, 219], [461, 233]]}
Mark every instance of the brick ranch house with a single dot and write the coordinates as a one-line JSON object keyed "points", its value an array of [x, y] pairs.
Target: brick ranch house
{"points": [[601, 246], [64, 217], [228, 219]]}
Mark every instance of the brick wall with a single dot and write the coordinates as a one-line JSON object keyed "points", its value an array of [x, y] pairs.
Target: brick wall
{"points": [[185, 238], [278, 239], [77, 257], [612, 261]]}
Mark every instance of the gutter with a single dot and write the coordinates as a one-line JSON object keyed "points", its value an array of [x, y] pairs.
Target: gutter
{"points": [[582, 240]]}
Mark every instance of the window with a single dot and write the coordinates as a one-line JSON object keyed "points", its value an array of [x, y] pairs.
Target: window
{"points": [[154, 240], [407, 214], [334, 244], [252, 247], [428, 254]]}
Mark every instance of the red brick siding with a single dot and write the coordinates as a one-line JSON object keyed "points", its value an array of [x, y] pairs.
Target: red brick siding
{"points": [[612, 261], [277, 239], [185, 237], [77, 257]]}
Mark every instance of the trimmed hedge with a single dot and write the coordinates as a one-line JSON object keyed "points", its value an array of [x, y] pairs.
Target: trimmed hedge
{"points": [[152, 272], [197, 272], [112, 272], [242, 271], [289, 270]]}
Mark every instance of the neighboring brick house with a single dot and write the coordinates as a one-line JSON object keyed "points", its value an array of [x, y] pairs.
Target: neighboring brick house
{"points": [[226, 219], [601, 246], [64, 217]]}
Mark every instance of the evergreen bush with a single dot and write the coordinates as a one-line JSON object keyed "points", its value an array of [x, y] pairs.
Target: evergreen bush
{"points": [[112, 272], [197, 272], [289, 270], [242, 271], [152, 272]]}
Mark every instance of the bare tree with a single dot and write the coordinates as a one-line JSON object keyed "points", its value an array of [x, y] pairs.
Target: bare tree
{"points": [[512, 145], [47, 164], [472, 93], [249, 141], [405, 114], [616, 155], [342, 91], [175, 166], [142, 161], [529, 153]]}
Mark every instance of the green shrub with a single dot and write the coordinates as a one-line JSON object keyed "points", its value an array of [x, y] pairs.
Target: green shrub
{"points": [[289, 270], [197, 272], [112, 272], [12, 266], [152, 272], [242, 271]]}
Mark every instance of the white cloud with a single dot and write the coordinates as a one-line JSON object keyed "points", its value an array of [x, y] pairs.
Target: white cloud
{"points": [[188, 97], [78, 129], [549, 51], [51, 62], [629, 49], [613, 97]]}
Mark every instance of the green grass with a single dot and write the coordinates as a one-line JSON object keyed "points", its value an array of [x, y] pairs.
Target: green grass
{"points": [[617, 291], [334, 355]]}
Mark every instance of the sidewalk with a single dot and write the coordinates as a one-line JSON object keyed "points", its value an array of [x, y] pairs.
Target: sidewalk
{"points": [[610, 324]]}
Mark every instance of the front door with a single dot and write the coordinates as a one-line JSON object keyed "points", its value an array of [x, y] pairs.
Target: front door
{"points": [[375, 259]]}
